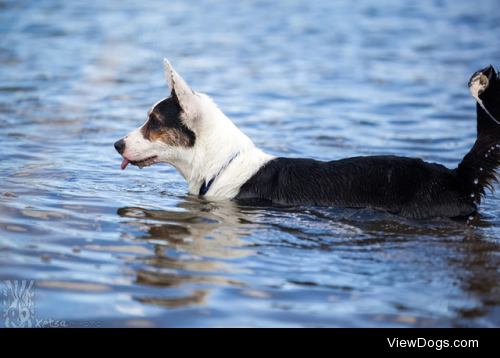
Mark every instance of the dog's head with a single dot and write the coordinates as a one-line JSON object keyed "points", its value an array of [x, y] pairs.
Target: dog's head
{"points": [[188, 131], [171, 129]]}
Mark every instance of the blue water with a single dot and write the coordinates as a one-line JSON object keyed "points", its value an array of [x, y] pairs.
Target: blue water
{"points": [[317, 79]]}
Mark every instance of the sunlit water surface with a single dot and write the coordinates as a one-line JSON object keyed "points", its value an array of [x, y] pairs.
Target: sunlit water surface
{"points": [[318, 79]]}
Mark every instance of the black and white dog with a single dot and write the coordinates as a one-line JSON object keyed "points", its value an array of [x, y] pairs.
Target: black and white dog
{"points": [[187, 130]]}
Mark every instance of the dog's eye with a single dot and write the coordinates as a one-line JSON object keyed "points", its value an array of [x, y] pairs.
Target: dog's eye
{"points": [[154, 123]]}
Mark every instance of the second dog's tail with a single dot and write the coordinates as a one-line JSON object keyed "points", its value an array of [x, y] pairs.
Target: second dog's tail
{"points": [[480, 167]]}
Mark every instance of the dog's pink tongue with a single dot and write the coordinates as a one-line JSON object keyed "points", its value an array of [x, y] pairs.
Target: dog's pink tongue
{"points": [[125, 163]]}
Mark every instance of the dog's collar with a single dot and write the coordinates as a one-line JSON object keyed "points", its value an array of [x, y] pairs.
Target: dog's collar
{"points": [[206, 187]]}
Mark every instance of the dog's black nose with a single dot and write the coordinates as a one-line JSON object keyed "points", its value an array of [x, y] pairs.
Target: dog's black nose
{"points": [[120, 146]]}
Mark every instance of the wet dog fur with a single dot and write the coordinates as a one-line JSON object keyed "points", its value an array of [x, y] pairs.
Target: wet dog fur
{"points": [[188, 131]]}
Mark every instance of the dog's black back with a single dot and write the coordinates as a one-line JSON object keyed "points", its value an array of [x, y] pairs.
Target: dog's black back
{"points": [[403, 186]]}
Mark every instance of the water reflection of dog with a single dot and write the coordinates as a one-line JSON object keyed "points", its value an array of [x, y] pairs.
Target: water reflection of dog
{"points": [[187, 240], [471, 257], [198, 227]]}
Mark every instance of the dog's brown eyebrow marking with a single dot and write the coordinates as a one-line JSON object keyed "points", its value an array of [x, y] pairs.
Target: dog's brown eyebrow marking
{"points": [[169, 136], [165, 125]]}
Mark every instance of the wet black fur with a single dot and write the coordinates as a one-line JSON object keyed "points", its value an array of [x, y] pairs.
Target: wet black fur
{"points": [[408, 187]]}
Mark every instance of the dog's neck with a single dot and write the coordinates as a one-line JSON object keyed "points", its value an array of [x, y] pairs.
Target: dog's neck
{"points": [[222, 152]]}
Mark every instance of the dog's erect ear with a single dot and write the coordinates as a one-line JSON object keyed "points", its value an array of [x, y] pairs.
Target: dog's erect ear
{"points": [[181, 92]]}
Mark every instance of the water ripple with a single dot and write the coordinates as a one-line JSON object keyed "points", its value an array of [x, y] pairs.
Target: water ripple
{"points": [[317, 79]]}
